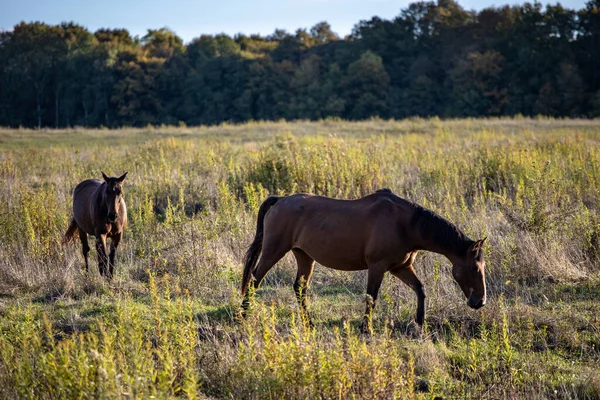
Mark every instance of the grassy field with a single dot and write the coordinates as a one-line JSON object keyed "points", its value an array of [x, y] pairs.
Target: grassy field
{"points": [[167, 325]]}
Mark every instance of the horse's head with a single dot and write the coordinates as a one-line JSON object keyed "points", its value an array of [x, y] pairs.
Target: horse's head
{"points": [[113, 192], [469, 272]]}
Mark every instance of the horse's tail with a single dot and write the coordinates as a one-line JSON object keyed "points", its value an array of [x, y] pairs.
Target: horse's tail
{"points": [[71, 232], [255, 248]]}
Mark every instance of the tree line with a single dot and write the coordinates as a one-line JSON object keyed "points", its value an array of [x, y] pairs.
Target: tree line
{"points": [[432, 59]]}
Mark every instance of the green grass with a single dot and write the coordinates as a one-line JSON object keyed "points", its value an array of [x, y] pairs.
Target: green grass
{"points": [[167, 325]]}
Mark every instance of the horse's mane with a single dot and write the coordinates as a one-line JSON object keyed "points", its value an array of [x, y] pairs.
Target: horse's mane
{"points": [[438, 229], [431, 226]]}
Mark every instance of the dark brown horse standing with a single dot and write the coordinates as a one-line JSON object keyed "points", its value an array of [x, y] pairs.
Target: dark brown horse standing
{"points": [[380, 233], [99, 209]]}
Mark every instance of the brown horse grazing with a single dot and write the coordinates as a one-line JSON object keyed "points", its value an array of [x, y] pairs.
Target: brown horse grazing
{"points": [[380, 233], [99, 209]]}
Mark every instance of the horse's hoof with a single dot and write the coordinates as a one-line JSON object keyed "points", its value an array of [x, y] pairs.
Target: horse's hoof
{"points": [[309, 325], [414, 330], [240, 316], [366, 328], [242, 312]]}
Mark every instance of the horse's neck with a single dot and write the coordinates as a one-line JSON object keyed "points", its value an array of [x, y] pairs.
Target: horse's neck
{"points": [[450, 252], [99, 203]]}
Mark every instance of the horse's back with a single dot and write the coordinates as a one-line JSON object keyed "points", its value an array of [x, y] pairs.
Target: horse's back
{"points": [[306, 206], [336, 233], [86, 188]]}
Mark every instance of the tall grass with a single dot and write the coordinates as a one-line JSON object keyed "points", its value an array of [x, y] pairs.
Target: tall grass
{"points": [[167, 325]]}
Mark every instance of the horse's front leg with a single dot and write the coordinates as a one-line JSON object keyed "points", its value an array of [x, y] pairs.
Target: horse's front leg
{"points": [[408, 276], [102, 257], [113, 251]]}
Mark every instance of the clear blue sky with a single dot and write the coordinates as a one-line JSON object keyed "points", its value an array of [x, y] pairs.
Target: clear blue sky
{"points": [[190, 18]]}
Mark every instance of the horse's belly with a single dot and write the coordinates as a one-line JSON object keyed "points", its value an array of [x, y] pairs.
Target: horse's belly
{"points": [[334, 251], [83, 220], [341, 265]]}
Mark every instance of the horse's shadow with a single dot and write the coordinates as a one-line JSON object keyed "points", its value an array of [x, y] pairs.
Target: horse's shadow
{"points": [[225, 314]]}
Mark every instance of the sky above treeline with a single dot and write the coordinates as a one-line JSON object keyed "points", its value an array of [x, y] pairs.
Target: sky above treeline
{"points": [[190, 19]]}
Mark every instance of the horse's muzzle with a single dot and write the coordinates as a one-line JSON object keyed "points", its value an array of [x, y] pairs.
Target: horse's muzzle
{"points": [[476, 302], [112, 217]]}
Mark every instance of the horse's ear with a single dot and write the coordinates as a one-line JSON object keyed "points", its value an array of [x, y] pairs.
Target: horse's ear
{"points": [[122, 177], [475, 247], [106, 178]]}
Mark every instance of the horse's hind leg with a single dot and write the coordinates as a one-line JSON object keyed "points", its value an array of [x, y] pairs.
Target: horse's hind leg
{"points": [[269, 257], [85, 247], [305, 269]]}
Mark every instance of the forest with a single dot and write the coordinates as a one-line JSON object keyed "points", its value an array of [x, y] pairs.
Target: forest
{"points": [[433, 59]]}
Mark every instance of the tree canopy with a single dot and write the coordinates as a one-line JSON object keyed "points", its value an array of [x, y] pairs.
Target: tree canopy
{"points": [[432, 59]]}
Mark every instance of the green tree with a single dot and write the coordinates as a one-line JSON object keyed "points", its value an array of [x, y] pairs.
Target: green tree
{"points": [[28, 49], [307, 102], [572, 90], [321, 34], [162, 43], [134, 93], [366, 87], [477, 87], [588, 44]]}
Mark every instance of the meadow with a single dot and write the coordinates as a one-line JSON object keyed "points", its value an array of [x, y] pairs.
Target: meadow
{"points": [[167, 325]]}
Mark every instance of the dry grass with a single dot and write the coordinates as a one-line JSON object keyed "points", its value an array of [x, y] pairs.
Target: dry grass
{"points": [[166, 326]]}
